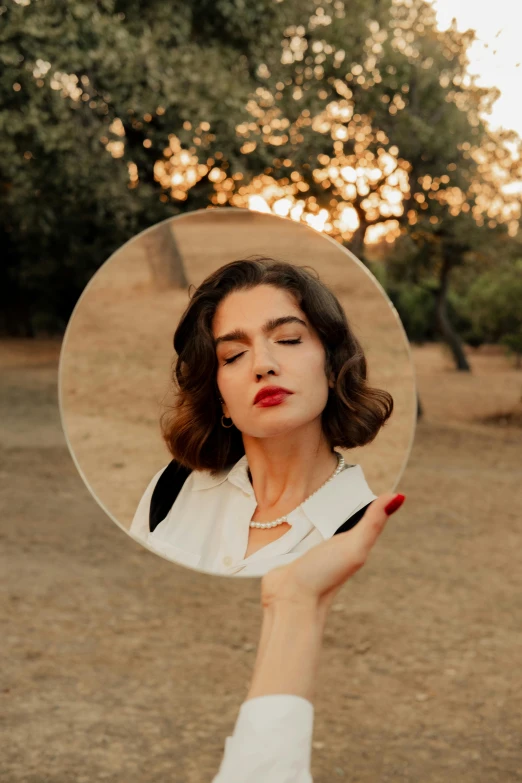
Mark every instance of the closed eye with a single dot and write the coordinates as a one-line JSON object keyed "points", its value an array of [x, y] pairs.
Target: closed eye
{"points": [[284, 342]]}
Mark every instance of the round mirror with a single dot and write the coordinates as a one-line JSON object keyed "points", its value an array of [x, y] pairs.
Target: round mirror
{"points": [[235, 388]]}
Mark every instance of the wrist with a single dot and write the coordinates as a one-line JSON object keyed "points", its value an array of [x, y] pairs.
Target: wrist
{"points": [[289, 651], [298, 612]]}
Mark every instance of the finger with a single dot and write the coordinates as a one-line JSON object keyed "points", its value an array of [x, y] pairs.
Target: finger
{"points": [[335, 560], [358, 542]]}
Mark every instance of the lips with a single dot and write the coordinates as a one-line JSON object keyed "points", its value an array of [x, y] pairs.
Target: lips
{"points": [[270, 391]]}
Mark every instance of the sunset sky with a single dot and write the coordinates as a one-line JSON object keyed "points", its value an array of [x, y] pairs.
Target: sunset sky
{"points": [[496, 53]]}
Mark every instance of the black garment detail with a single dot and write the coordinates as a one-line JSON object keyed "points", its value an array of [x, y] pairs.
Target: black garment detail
{"points": [[352, 521], [169, 486], [166, 491]]}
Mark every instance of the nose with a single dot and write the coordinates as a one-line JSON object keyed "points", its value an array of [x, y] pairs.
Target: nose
{"points": [[263, 362]]}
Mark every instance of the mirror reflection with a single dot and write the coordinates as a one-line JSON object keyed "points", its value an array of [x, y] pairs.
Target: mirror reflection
{"points": [[269, 380], [270, 402]]}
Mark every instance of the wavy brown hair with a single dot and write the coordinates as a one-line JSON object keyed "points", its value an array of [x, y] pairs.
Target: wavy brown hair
{"points": [[191, 428]]}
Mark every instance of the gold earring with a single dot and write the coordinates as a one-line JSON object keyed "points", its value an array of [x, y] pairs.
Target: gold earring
{"points": [[226, 426]]}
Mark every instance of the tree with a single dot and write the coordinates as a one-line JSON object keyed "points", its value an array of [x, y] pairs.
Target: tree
{"points": [[77, 78], [401, 136], [358, 118], [494, 306]]}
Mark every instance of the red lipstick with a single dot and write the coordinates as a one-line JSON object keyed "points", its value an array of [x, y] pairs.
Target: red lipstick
{"points": [[271, 395]]}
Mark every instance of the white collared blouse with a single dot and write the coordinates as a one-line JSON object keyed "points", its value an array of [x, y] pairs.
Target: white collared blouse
{"points": [[207, 527], [272, 741]]}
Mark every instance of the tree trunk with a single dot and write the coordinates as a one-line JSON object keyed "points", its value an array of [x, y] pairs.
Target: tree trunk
{"points": [[356, 243], [442, 322], [164, 257]]}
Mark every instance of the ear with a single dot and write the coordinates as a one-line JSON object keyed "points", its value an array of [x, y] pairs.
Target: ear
{"points": [[224, 407], [329, 372]]}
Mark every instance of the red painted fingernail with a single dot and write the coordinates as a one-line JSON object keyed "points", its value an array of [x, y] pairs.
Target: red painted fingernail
{"points": [[394, 504]]}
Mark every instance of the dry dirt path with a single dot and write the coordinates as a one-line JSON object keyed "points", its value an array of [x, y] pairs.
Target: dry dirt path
{"points": [[119, 666]]}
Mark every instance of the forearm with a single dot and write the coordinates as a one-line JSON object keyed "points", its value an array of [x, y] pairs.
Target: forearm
{"points": [[289, 650]]}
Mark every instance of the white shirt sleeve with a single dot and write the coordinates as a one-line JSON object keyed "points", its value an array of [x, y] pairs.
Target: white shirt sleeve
{"points": [[140, 523], [271, 743]]}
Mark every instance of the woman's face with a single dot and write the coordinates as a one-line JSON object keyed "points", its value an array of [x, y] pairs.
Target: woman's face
{"points": [[254, 350]]}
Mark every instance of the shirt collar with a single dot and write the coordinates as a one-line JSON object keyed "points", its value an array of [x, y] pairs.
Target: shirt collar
{"points": [[237, 475], [327, 509], [338, 500]]}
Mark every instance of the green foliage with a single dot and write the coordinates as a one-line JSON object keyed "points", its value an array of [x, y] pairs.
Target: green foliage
{"points": [[494, 306], [415, 305], [69, 69]]}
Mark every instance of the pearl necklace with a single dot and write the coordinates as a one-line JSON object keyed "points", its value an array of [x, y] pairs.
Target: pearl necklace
{"points": [[264, 525]]}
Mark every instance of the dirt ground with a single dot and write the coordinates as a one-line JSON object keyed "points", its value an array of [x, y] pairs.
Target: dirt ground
{"points": [[119, 666]]}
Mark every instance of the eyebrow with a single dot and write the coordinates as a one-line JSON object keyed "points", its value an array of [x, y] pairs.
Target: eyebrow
{"points": [[240, 334]]}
